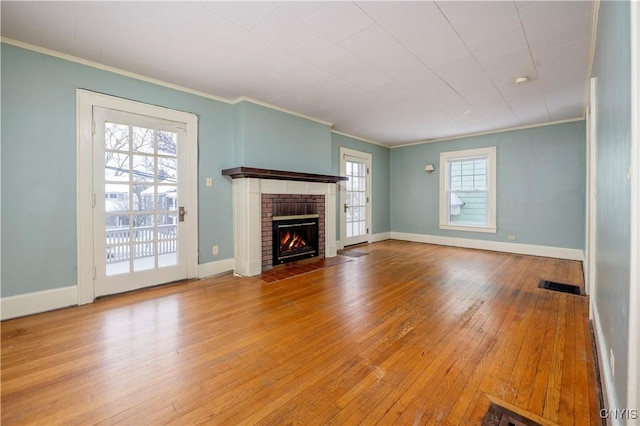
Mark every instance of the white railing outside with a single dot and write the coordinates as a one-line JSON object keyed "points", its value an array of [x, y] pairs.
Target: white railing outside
{"points": [[120, 240]]}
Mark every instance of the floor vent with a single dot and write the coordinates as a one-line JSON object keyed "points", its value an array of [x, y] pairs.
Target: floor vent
{"points": [[501, 416], [564, 288]]}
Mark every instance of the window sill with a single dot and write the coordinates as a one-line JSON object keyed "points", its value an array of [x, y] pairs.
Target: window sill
{"points": [[470, 228]]}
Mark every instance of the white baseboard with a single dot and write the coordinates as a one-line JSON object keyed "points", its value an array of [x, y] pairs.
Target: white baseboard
{"points": [[214, 268], [37, 302], [608, 393], [380, 237], [533, 250]]}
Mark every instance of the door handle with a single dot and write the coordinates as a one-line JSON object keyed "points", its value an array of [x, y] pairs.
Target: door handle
{"points": [[345, 207], [181, 213]]}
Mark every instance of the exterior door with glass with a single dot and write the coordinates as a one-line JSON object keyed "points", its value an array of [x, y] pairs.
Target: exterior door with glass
{"points": [[355, 212], [140, 237]]}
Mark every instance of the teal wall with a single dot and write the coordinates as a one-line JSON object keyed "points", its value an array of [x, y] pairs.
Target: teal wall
{"points": [[612, 67], [38, 161], [540, 185], [380, 179], [272, 139]]}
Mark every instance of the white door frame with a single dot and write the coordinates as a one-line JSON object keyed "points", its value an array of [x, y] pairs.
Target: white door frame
{"points": [[85, 101], [633, 377], [367, 158], [591, 195]]}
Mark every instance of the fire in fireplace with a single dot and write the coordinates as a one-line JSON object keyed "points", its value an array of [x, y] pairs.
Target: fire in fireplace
{"points": [[295, 236]]}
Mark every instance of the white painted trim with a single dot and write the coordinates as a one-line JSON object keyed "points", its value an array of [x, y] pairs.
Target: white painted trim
{"points": [[380, 237], [281, 109], [218, 267], [591, 186], [489, 132], [606, 380], [528, 249], [84, 195], [633, 363], [37, 302], [85, 102], [368, 160], [359, 138]]}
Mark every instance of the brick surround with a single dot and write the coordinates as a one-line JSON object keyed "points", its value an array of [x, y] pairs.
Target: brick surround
{"points": [[266, 214]]}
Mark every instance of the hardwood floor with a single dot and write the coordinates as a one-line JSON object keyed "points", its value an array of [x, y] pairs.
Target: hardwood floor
{"points": [[409, 333]]}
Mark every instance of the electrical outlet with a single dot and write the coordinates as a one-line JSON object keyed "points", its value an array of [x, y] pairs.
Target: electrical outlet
{"points": [[511, 237], [612, 362], [214, 250], [209, 182]]}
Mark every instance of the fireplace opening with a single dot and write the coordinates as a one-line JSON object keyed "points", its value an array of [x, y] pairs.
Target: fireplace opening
{"points": [[294, 238]]}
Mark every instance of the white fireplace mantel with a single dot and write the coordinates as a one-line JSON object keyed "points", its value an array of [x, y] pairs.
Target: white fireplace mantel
{"points": [[247, 225]]}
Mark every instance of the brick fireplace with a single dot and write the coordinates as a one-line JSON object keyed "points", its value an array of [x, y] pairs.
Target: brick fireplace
{"points": [[254, 192]]}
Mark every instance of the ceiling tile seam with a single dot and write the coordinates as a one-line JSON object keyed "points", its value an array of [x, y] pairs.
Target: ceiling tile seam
{"points": [[535, 66], [480, 65], [265, 18], [423, 63]]}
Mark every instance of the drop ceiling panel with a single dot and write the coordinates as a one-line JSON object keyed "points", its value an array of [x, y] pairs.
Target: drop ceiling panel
{"points": [[234, 40], [567, 32], [320, 51], [246, 14], [544, 14], [338, 20], [432, 40], [505, 42], [490, 21], [396, 15], [284, 30]]}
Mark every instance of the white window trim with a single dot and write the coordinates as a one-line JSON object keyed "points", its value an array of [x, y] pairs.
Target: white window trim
{"points": [[490, 153]]}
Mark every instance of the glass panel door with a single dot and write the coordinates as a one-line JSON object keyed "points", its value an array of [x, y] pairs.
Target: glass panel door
{"points": [[140, 197], [355, 200]]}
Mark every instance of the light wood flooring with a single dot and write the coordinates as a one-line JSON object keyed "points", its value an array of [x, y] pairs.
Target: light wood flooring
{"points": [[407, 334]]}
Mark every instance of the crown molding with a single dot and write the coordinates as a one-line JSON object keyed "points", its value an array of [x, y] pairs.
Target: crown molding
{"points": [[281, 109], [359, 138], [92, 64], [490, 132]]}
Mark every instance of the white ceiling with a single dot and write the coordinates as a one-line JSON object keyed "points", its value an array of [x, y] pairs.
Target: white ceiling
{"points": [[391, 72]]}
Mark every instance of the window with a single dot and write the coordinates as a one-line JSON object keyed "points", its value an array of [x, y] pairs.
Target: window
{"points": [[468, 190]]}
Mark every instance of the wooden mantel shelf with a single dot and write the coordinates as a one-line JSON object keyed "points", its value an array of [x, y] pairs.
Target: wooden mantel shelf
{"points": [[251, 172]]}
